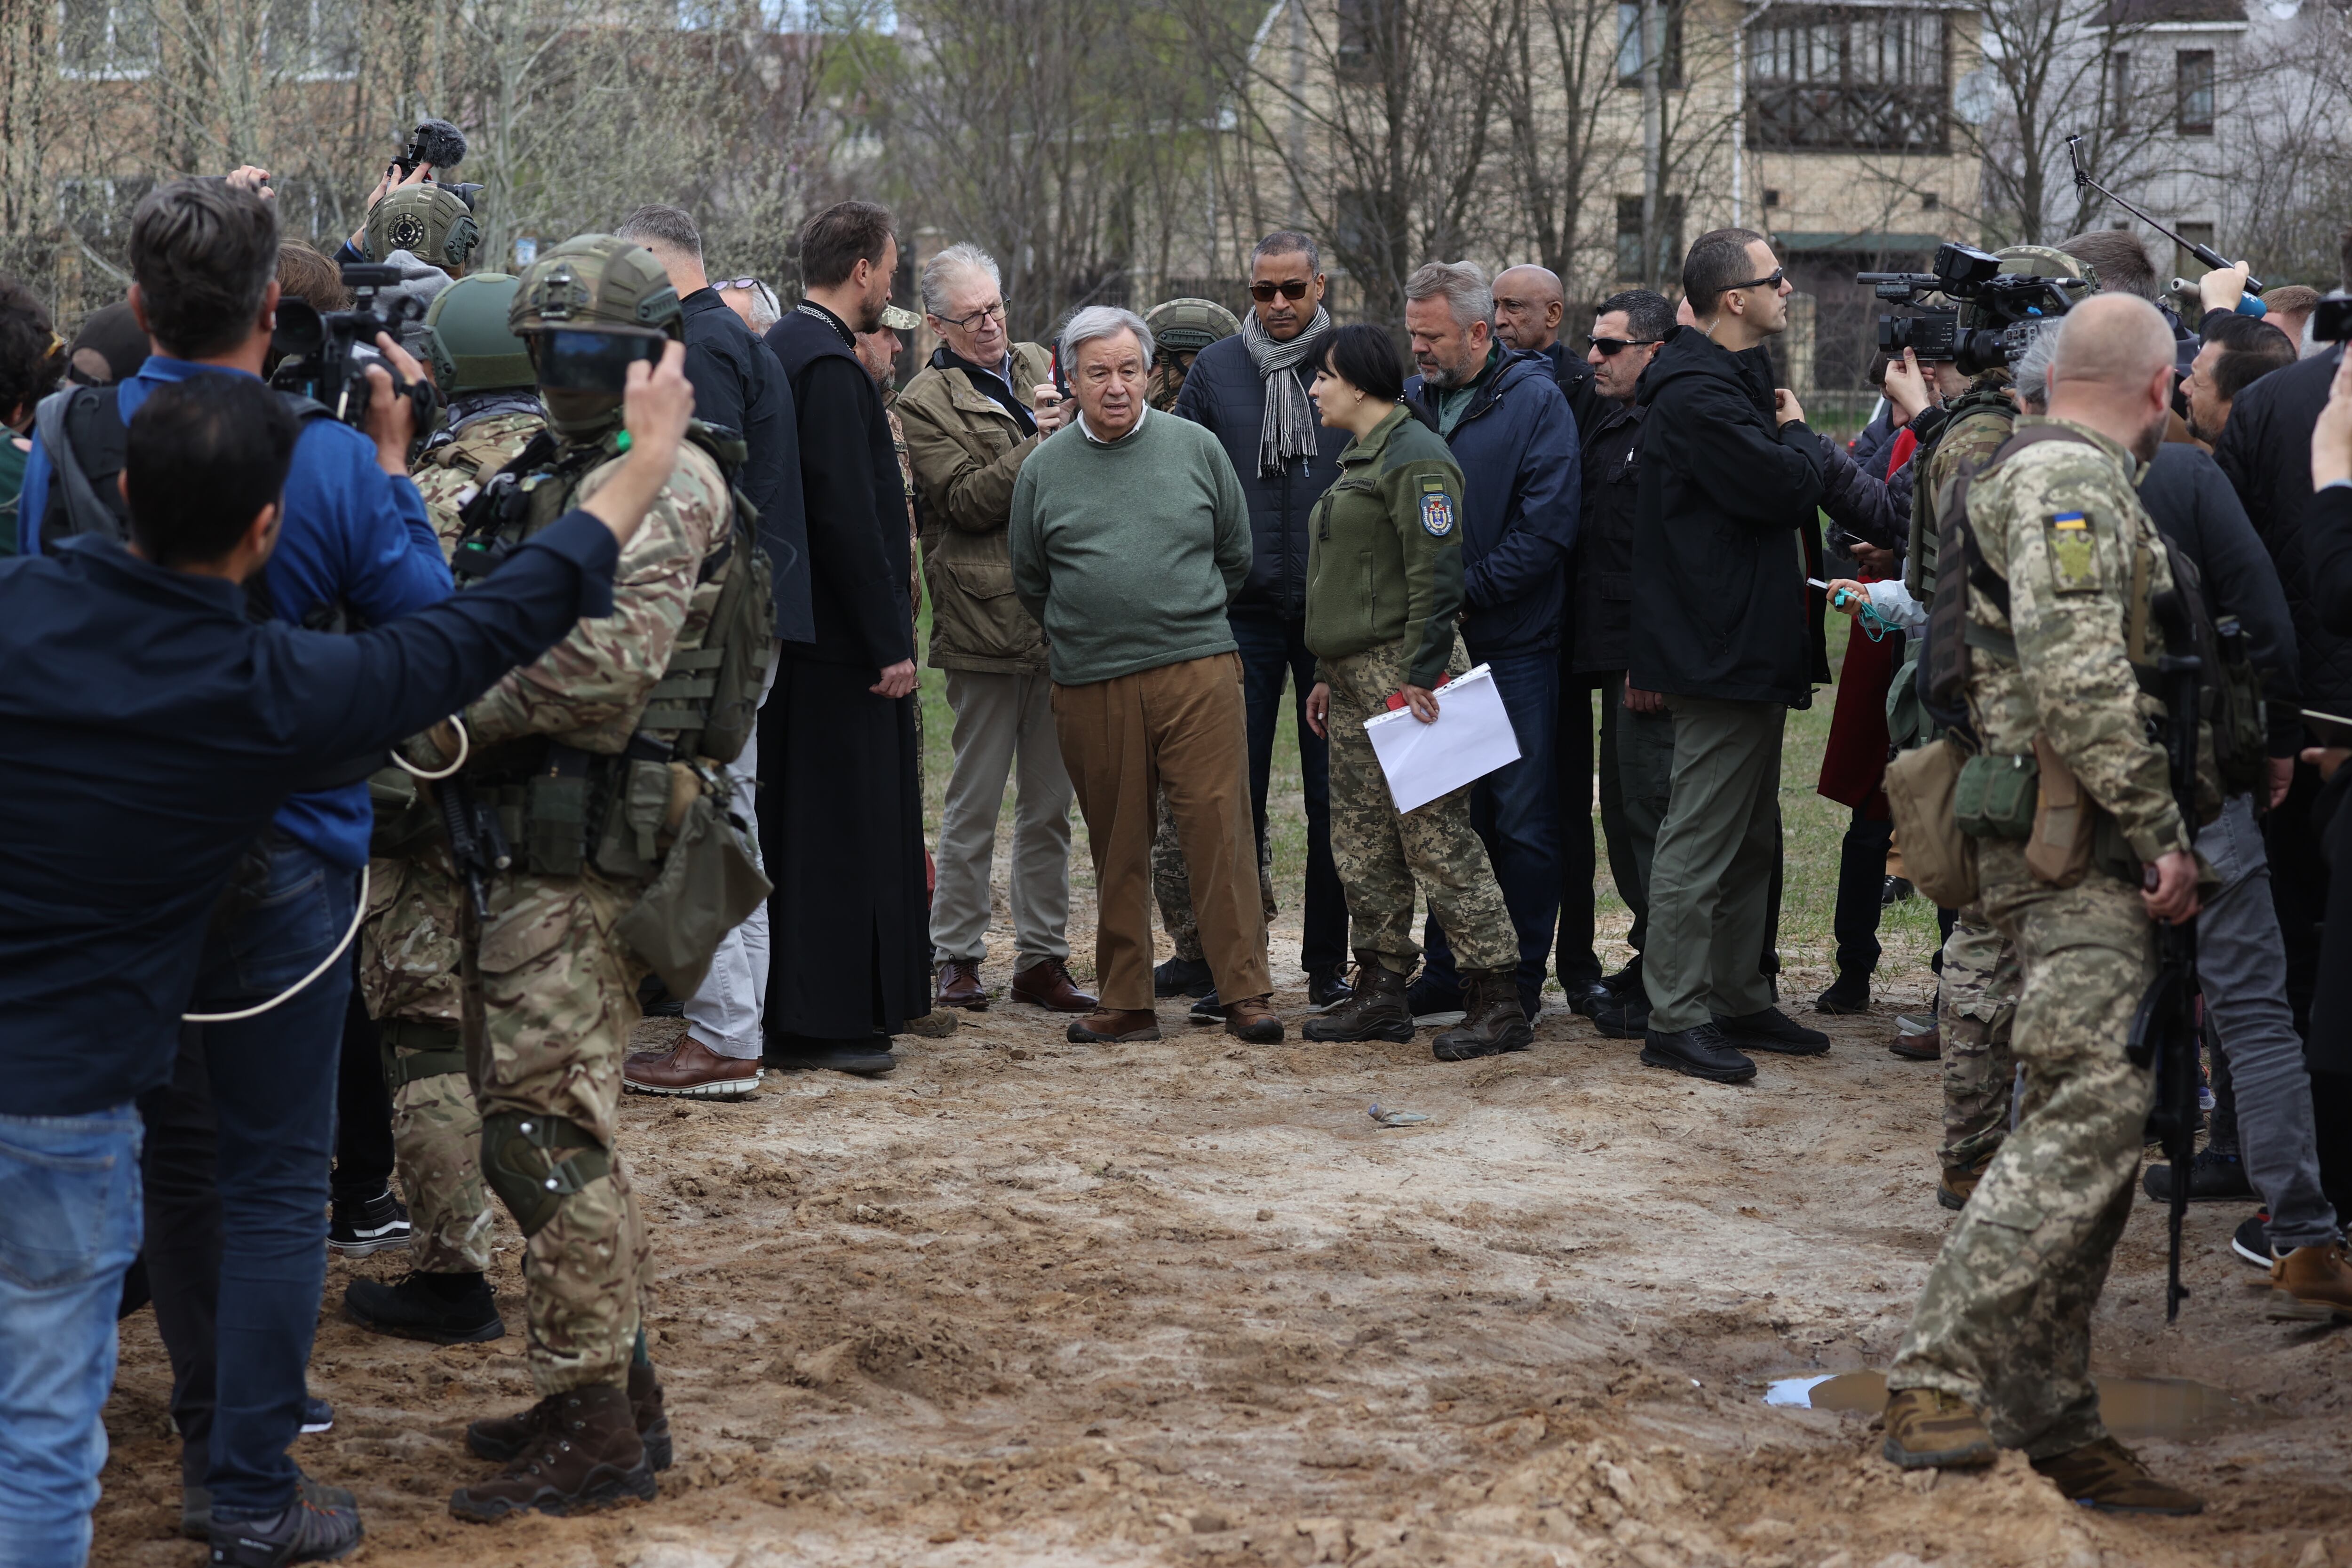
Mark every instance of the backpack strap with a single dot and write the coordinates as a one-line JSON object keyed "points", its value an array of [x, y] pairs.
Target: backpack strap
{"points": [[82, 429]]}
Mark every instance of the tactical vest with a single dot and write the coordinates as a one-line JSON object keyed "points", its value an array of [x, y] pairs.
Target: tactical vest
{"points": [[1920, 554]]}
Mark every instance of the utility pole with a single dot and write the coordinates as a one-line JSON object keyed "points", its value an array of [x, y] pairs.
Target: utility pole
{"points": [[1652, 35]]}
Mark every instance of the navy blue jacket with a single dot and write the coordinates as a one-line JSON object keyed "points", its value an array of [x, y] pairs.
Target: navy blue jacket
{"points": [[1224, 393], [149, 730], [1523, 483], [351, 534], [737, 383]]}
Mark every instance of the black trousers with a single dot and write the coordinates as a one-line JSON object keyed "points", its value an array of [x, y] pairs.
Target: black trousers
{"points": [[1862, 884], [363, 1110]]}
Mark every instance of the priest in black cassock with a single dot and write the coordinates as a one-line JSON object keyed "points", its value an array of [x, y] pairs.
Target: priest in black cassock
{"points": [[841, 819]]}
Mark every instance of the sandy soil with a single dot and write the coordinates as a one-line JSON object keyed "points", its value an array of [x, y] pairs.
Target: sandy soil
{"points": [[1185, 1303]]}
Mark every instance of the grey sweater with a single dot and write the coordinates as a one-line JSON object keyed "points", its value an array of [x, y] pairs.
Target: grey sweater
{"points": [[1128, 552]]}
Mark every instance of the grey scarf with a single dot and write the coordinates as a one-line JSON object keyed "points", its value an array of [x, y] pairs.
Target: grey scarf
{"points": [[1289, 428]]}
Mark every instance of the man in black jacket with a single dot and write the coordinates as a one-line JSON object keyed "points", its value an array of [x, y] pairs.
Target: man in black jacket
{"points": [[1251, 391], [840, 823], [1731, 480]]}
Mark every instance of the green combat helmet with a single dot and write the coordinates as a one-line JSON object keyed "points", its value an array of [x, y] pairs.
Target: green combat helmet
{"points": [[473, 348], [430, 222], [1190, 325], [586, 310]]}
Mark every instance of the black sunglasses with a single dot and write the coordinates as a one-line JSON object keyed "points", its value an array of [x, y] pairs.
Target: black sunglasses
{"points": [[1771, 282], [1609, 346], [1263, 293]]}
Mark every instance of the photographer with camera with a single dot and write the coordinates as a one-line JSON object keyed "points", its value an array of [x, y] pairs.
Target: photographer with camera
{"points": [[353, 545]]}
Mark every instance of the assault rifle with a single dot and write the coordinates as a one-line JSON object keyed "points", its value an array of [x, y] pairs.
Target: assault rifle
{"points": [[477, 847]]}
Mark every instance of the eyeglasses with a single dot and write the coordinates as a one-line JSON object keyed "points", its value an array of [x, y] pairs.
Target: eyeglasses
{"points": [[972, 324], [1291, 288], [1771, 282], [745, 284], [1609, 346]]}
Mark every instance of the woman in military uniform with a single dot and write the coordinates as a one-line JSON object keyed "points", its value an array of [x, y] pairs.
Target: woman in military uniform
{"points": [[1383, 585]]}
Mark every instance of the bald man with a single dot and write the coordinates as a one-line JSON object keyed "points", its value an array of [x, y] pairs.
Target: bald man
{"points": [[1529, 309], [1998, 1355]]}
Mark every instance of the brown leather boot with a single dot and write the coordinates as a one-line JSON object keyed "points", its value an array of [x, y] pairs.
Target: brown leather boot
{"points": [[499, 1438], [1046, 984], [2108, 1476], [1960, 1184], [1115, 1027], [960, 985], [1375, 1010], [1252, 1019], [1928, 1428], [691, 1070], [586, 1454], [1492, 1020], [2312, 1282]]}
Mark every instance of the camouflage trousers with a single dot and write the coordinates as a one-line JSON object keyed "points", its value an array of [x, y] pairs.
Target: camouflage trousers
{"points": [[1384, 857], [2004, 1320], [1171, 885], [1975, 1009], [559, 998]]}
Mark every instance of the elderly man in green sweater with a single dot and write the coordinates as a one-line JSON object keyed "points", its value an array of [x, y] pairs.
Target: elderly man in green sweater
{"points": [[1130, 535]]}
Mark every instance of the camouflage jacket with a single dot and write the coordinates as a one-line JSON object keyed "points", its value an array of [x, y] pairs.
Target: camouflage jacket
{"points": [[449, 475], [589, 690], [2060, 523], [1974, 434]]}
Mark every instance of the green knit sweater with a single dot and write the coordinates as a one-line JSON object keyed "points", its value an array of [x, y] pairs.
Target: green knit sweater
{"points": [[1128, 551]]}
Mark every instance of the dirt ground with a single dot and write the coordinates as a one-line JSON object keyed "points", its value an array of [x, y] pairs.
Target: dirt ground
{"points": [[1026, 1302]]}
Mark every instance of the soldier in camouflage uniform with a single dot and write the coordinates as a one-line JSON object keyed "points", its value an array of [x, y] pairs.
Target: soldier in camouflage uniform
{"points": [[408, 948], [1998, 1348], [549, 988], [1383, 588]]}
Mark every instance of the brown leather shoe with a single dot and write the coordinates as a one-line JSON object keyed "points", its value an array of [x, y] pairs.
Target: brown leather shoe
{"points": [[2312, 1282], [1116, 1026], [960, 985], [2108, 1476], [1926, 1048], [691, 1070], [1958, 1183], [1252, 1019], [1046, 984], [585, 1454]]}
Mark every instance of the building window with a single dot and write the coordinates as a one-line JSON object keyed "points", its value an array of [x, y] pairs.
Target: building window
{"points": [[99, 208], [1630, 43], [312, 38], [1771, 196], [2192, 92], [106, 37], [2184, 260], [1629, 239], [2119, 92], [1833, 78], [1929, 201]]}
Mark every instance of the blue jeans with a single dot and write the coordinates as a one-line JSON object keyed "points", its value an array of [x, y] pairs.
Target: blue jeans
{"points": [[1273, 648], [273, 1091], [69, 1229], [1515, 810]]}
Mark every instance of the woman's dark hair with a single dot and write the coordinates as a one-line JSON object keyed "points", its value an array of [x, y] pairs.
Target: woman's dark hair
{"points": [[30, 354], [205, 455], [1365, 357]]}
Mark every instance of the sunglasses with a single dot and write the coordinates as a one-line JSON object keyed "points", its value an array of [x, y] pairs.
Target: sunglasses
{"points": [[1295, 288], [1771, 282], [1611, 346]]}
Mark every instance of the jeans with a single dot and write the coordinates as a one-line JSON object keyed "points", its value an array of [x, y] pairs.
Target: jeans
{"points": [[70, 1188], [1273, 648], [725, 1011], [272, 1079], [1516, 809]]}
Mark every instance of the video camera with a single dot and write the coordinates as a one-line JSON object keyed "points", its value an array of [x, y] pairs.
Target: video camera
{"points": [[2331, 319], [327, 353], [443, 146], [2005, 308]]}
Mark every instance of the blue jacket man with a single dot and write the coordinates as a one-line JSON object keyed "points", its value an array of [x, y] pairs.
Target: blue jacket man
{"points": [[1503, 414]]}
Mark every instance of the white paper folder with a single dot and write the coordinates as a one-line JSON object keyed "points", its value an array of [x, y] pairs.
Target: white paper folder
{"points": [[1471, 739]]}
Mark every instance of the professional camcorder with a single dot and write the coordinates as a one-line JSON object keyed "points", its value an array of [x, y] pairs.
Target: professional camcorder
{"points": [[327, 352], [2003, 307]]}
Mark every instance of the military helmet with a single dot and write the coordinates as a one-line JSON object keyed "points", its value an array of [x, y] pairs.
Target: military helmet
{"points": [[2041, 261], [599, 281], [430, 222], [473, 348], [1190, 325]]}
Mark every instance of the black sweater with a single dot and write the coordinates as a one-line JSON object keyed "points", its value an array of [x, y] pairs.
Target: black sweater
{"points": [[2266, 450]]}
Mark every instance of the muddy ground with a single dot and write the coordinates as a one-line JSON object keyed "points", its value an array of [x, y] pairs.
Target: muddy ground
{"points": [[1026, 1302]]}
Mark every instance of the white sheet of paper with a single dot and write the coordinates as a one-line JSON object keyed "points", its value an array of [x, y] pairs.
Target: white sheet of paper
{"points": [[1471, 739]]}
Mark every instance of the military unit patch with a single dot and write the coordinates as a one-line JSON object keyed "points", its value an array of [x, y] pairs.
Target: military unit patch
{"points": [[1436, 511]]}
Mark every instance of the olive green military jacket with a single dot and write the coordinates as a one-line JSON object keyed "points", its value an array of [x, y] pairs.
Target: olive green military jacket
{"points": [[966, 451], [1385, 549]]}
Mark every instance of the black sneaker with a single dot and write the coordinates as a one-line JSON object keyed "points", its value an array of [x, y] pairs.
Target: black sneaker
{"points": [[1425, 997], [1772, 1030], [441, 1308], [1850, 994], [1701, 1052], [1894, 892], [1206, 1008], [1182, 978], [2252, 1240], [320, 1525], [1628, 1018], [317, 1415], [362, 1229], [654, 1001], [2215, 1175], [1328, 987], [1588, 999], [867, 1058]]}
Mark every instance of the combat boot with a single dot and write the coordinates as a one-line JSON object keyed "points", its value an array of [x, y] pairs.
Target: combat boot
{"points": [[2312, 1282], [585, 1454], [1375, 1011], [1493, 1021], [441, 1308], [2108, 1476], [1928, 1429], [1958, 1183], [499, 1438]]}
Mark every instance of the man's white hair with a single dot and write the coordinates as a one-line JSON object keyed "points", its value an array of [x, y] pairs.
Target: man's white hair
{"points": [[1462, 284], [941, 269], [765, 310], [1102, 322]]}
